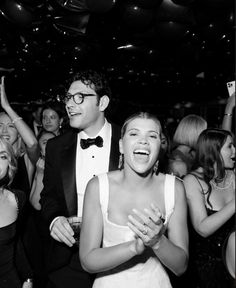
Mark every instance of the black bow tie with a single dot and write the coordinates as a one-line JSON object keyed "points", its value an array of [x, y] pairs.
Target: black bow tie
{"points": [[85, 143]]}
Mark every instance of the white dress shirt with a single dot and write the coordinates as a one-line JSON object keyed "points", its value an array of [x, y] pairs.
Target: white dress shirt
{"points": [[91, 162]]}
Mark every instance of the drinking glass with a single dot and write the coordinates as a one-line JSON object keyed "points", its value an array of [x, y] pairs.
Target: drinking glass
{"points": [[75, 223]]}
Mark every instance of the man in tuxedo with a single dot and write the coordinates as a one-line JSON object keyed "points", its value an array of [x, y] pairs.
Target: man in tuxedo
{"points": [[89, 148]]}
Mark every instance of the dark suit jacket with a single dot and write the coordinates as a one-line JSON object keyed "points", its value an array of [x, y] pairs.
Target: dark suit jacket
{"points": [[59, 197]]}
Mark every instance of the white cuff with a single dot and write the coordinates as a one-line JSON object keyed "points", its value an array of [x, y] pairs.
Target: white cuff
{"points": [[50, 227]]}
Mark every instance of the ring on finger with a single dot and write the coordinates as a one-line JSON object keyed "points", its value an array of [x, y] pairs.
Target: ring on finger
{"points": [[158, 222], [145, 230]]}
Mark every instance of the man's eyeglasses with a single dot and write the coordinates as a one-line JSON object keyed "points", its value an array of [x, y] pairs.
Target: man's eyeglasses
{"points": [[78, 97]]}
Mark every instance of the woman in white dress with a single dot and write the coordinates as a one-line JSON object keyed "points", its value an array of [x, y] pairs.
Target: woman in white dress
{"points": [[135, 219]]}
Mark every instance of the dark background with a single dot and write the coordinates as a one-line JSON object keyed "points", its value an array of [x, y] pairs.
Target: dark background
{"points": [[158, 54]]}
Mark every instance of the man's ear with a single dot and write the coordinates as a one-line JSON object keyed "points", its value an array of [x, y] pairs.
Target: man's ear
{"points": [[104, 102]]}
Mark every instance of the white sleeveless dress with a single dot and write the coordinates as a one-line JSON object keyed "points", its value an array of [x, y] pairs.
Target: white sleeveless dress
{"points": [[142, 271]]}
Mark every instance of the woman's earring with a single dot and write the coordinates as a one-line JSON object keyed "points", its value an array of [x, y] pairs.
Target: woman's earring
{"points": [[121, 161], [155, 168]]}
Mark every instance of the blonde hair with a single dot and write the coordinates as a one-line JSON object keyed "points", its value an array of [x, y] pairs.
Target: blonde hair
{"points": [[142, 115], [188, 130], [19, 146], [12, 166]]}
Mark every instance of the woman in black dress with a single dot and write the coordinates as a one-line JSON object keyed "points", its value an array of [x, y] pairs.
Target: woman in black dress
{"points": [[11, 205], [210, 189]]}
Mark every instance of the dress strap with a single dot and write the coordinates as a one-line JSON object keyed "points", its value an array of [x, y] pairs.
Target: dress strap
{"points": [[103, 191], [169, 191], [195, 176]]}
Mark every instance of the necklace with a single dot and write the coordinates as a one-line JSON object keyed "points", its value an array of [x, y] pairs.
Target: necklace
{"points": [[221, 183]]}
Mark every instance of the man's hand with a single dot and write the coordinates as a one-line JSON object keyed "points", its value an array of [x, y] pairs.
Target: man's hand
{"points": [[62, 232]]}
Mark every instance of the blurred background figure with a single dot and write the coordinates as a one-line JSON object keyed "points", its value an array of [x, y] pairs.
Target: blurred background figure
{"points": [[35, 123], [39, 233], [184, 144], [53, 117], [37, 185]]}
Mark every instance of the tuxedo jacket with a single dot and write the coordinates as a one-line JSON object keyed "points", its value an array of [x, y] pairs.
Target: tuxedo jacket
{"points": [[59, 196]]}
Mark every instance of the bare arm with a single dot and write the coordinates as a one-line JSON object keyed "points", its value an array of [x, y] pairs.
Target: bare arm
{"points": [[93, 258], [203, 224], [36, 189], [23, 129], [230, 254], [228, 113], [174, 254]]}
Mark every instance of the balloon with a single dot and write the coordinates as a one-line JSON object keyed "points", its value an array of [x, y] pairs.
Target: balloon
{"points": [[148, 3], [72, 24], [16, 12], [231, 19], [215, 3], [129, 54], [188, 56], [33, 3], [100, 6], [169, 11], [81, 54], [135, 18], [183, 2], [169, 33], [212, 32], [205, 15], [152, 58], [71, 5]]}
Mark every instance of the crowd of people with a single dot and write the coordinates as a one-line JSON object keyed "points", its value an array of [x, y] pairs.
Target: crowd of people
{"points": [[157, 210]]}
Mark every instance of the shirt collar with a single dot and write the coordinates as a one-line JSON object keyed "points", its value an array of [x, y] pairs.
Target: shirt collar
{"points": [[104, 132]]}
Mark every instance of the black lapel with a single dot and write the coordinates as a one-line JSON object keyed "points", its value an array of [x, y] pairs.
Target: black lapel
{"points": [[68, 174], [114, 153]]}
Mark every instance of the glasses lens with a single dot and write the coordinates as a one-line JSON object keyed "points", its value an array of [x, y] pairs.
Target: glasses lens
{"points": [[78, 98]]}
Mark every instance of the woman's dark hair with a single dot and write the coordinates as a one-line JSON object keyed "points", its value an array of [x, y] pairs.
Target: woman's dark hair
{"points": [[164, 155], [208, 156], [60, 110], [55, 106]]}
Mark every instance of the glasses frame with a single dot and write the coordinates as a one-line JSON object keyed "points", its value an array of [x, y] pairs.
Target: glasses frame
{"points": [[75, 99]]}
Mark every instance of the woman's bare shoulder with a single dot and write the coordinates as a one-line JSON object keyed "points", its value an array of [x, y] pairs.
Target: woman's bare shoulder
{"points": [[10, 197]]}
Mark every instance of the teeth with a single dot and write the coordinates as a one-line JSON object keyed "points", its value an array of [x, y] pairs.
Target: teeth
{"points": [[141, 152], [6, 137]]}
